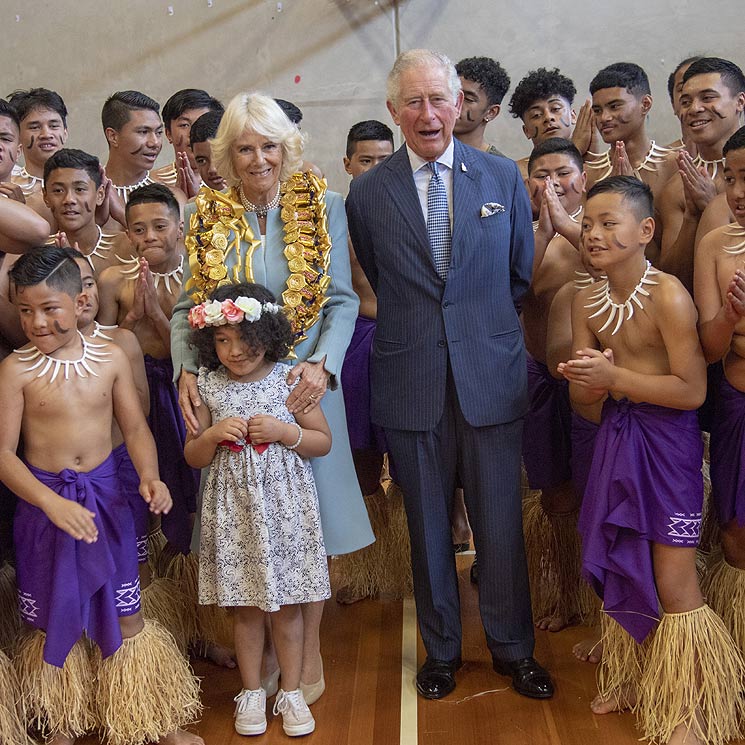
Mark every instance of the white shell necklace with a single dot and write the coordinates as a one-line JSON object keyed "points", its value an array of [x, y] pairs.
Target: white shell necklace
{"points": [[98, 331], [125, 191], [177, 275], [735, 230], [573, 217], [603, 299], [711, 166], [81, 366]]}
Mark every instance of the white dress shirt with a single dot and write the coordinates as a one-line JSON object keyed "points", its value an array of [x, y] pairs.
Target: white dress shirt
{"points": [[423, 174]]}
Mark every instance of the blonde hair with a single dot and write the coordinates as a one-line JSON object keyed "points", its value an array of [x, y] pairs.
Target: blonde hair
{"points": [[420, 58], [261, 114]]}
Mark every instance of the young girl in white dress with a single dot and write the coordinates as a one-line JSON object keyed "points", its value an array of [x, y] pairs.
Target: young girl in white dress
{"points": [[261, 546]]}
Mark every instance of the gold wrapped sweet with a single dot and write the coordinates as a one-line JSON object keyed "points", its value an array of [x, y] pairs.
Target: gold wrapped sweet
{"points": [[295, 282], [297, 264], [219, 240], [293, 299], [214, 257]]}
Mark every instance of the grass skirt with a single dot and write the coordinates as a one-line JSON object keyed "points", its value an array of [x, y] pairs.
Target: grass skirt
{"points": [[146, 689], [694, 676], [383, 567], [56, 701]]}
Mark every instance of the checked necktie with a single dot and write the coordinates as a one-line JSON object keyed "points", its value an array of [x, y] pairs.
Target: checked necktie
{"points": [[438, 221]]}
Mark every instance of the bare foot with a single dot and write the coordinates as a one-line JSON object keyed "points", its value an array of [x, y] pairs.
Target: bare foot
{"points": [[61, 740], [554, 623], [684, 736], [181, 737], [220, 655], [588, 650], [619, 701], [345, 596]]}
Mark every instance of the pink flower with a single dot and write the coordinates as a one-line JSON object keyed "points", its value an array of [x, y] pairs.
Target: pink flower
{"points": [[232, 313], [197, 318]]}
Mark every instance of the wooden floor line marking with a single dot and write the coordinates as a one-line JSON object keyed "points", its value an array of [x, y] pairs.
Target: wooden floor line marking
{"points": [[409, 734]]}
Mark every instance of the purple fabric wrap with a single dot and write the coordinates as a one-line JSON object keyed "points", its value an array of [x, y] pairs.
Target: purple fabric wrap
{"points": [[355, 385], [727, 452], [130, 482], [645, 485], [67, 586], [584, 433], [547, 445], [167, 426]]}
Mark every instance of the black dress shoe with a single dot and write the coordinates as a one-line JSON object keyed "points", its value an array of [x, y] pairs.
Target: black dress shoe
{"points": [[475, 571], [436, 678], [528, 677]]}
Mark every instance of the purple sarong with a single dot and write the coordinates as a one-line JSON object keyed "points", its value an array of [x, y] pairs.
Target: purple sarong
{"points": [[584, 433], [547, 445], [66, 586], [130, 482], [355, 385], [645, 486], [727, 452], [167, 426]]}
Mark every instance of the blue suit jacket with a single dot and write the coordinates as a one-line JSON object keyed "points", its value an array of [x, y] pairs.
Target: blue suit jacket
{"points": [[470, 320]]}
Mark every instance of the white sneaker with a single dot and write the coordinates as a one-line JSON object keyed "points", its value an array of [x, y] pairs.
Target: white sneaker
{"points": [[250, 712], [296, 716]]}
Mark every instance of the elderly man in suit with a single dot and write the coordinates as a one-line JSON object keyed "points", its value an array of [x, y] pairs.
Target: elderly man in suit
{"points": [[443, 233]]}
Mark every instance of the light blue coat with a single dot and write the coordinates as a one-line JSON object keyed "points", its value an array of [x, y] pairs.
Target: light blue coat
{"points": [[346, 526]]}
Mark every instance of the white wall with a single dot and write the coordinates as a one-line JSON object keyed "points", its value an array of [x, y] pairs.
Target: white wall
{"points": [[331, 57]]}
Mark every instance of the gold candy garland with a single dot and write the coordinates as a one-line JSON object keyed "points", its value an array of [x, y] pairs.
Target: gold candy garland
{"points": [[219, 225]]}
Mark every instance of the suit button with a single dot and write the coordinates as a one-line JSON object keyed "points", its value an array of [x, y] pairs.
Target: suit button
{"points": [[441, 343], [446, 304]]}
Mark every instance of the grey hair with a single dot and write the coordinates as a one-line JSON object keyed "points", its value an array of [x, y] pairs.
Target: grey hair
{"points": [[261, 114], [420, 58]]}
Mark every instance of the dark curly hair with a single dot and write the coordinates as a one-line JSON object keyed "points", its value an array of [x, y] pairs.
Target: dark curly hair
{"points": [[488, 73], [540, 85], [272, 332]]}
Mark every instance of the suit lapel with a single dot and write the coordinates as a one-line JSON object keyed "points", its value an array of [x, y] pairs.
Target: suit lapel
{"points": [[465, 201], [403, 193]]}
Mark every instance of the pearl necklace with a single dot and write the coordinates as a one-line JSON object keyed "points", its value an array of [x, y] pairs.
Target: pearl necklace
{"points": [[177, 275], [260, 209], [603, 299], [79, 366]]}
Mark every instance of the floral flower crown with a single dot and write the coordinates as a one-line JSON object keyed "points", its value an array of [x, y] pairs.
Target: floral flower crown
{"points": [[216, 313]]}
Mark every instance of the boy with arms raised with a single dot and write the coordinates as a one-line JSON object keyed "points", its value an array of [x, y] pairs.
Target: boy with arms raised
{"points": [[77, 560], [719, 288], [484, 84], [621, 101], [557, 184], [180, 112], [73, 191], [543, 101], [634, 336], [711, 105]]}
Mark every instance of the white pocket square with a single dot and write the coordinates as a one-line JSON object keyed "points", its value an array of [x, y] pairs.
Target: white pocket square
{"points": [[491, 208]]}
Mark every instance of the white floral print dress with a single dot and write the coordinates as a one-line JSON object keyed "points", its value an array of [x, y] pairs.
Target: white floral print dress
{"points": [[261, 543]]}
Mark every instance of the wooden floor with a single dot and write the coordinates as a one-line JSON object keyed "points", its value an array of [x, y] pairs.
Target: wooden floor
{"points": [[370, 701]]}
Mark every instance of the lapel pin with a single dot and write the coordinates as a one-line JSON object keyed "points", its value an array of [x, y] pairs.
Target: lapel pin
{"points": [[463, 168]]}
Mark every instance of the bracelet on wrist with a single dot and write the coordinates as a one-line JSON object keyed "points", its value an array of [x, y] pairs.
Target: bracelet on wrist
{"points": [[297, 442]]}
